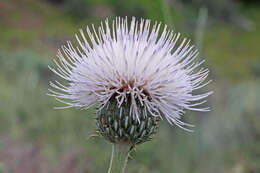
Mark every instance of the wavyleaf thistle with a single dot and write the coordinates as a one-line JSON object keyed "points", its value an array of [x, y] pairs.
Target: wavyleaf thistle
{"points": [[137, 73]]}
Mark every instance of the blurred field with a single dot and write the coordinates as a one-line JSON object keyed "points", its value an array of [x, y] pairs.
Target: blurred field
{"points": [[35, 138]]}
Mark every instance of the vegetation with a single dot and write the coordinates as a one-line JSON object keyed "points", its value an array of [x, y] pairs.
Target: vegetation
{"points": [[34, 137]]}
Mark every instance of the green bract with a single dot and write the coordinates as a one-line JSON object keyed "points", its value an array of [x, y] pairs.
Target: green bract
{"points": [[117, 125]]}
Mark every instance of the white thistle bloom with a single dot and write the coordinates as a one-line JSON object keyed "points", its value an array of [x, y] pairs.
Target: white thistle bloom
{"points": [[134, 64]]}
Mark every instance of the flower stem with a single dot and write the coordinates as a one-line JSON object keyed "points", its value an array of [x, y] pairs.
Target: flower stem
{"points": [[119, 158]]}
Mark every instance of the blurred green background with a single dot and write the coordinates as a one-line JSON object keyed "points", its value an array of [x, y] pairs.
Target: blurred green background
{"points": [[35, 138]]}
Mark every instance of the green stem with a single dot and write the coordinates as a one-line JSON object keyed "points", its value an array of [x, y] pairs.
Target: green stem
{"points": [[119, 158]]}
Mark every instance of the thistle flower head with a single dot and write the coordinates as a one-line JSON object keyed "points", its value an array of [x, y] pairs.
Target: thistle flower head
{"points": [[138, 68]]}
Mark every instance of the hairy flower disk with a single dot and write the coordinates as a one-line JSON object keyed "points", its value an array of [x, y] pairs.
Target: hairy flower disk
{"points": [[137, 63]]}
